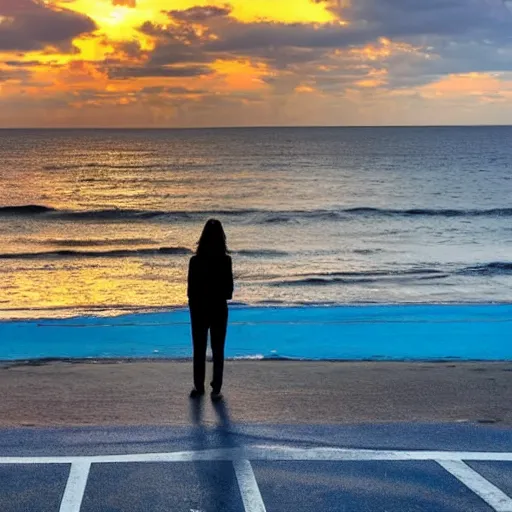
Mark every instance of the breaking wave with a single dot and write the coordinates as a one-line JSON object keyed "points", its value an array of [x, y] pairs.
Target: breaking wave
{"points": [[426, 274], [489, 269], [27, 209], [269, 253], [115, 253], [120, 253], [256, 216]]}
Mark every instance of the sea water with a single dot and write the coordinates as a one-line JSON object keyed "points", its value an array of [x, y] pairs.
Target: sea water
{"points": [[103, 222]]}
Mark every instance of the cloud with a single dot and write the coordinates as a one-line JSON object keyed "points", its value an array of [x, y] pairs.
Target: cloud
{"points": [[125, 3], [366, 21], [178, 91], [164, 72], [18, 74], [436, 38], [200, 14], [33, 25], [213, 63], [22, 63], [128, 50]]}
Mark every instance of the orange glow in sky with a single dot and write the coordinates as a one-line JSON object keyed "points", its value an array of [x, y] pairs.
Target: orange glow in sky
{"points": [[140, 62]]}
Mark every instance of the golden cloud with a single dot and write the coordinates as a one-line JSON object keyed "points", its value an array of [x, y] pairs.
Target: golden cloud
{"points": [[125, 3]]}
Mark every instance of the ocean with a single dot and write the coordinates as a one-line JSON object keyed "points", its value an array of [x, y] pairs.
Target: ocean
{"points": [[103, 222]]}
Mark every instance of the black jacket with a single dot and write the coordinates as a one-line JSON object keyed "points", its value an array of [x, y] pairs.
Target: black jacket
{"points": [[210, 279]]}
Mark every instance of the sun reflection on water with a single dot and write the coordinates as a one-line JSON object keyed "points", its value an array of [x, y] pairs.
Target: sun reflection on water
{"points": [[112, 284]]}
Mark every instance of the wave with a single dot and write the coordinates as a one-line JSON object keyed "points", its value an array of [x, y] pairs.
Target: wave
{"points": [[97, 165], [426, 274], [428, 212], [256, 216], [320, 281], [367, 251], [273, 217], [115, 253], [119, 253], [27, 209], [349, 278], [120, 215], [489, 269], [417, 271], [88, 165], [97, 243], [115, 214], [261, 252]]}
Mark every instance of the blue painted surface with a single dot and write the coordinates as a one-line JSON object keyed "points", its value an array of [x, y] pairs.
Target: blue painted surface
{"points": [[395, 332]]}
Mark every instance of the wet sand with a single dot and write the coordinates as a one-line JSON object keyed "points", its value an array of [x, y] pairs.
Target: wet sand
{"points": [[275, 392]]}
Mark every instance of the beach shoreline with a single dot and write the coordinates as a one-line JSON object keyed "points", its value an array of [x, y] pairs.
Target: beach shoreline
{"points": [[155, 392]]}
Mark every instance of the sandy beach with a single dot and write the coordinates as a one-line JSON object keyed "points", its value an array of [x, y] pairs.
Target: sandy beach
{"points": [[156, 392]]}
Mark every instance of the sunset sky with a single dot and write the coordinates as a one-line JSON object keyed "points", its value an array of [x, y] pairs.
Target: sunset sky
{"points": [[182, 63]]}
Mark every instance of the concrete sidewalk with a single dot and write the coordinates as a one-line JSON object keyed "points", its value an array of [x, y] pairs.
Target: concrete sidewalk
{"points": [[156, 393]]}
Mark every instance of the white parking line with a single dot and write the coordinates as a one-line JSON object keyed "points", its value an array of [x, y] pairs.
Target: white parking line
{"points": [[241, 457], [267, 452], [75, 488], [251, 496], [493, 496]]}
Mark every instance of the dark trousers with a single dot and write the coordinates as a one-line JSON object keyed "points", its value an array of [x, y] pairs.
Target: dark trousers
{"points": [[211, 317]]}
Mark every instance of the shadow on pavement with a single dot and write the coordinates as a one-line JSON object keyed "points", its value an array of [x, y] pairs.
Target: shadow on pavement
{"points": [[219, 486]]}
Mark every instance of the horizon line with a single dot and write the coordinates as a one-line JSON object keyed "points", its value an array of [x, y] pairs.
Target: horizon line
{"points": [[241, 127]]}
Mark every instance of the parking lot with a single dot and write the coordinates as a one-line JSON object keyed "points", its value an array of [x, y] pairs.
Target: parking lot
{"points": [[226, 468]]}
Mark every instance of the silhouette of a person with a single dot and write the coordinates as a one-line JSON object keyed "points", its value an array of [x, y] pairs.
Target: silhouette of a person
{"points": [[210, 286]]}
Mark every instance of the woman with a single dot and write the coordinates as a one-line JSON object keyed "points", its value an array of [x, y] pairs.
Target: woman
{"points": [[210, 286]]}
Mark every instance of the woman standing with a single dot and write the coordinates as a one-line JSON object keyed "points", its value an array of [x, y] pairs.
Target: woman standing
{"points": [[210, 286]]}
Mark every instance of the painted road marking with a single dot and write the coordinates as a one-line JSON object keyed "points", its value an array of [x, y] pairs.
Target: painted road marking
{"points": [[251, 496], [75, 488], [452, 462], [493, 496], [268, 453]]}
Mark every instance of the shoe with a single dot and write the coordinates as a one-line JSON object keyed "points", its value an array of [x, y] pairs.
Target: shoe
{"points": [[216, 396], [196, 394]]}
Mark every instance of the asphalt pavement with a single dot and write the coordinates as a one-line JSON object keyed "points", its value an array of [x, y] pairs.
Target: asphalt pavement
{"points": [[205, 467]]}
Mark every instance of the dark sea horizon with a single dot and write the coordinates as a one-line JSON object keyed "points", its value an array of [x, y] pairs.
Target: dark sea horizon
{"points": [[102, 221], [251, 127]]}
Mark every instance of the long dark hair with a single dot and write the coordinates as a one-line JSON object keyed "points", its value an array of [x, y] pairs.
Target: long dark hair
{"points": [[213, 240]]}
